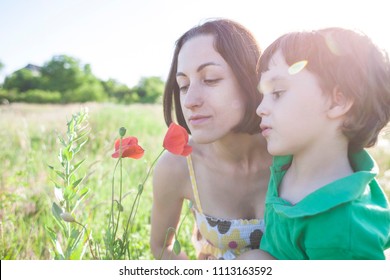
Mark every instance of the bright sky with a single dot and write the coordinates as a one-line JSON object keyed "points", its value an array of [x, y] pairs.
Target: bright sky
{"points": [[129, 39]]}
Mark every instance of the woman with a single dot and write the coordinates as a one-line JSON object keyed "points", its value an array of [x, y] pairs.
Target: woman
{"points": [[212, 87]]}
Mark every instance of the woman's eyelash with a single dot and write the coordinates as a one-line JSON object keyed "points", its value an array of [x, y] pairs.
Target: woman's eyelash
{"points": [[183, 88], [211, 81], [206, 81]]}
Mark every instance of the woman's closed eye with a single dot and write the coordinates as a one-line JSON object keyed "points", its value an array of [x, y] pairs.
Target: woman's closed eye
{"points": [[211, 82], [183, 88]]}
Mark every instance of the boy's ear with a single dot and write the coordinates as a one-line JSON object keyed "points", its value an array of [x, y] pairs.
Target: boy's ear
{"points": [[340, 105]]}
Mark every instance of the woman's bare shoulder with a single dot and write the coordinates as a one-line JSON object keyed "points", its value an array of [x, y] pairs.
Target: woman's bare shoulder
{"points": [[171, 173]]}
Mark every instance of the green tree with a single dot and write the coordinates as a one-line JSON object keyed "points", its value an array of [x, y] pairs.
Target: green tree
{"points": [[150, 89], [75, 81], [89, 91], [23, 80], [1, 68], [63, 73], [117, 91]]}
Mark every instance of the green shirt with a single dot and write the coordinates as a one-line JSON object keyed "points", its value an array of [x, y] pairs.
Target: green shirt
{"points": [[346, 219]]}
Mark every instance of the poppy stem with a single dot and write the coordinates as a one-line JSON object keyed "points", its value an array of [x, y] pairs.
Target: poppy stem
{"points": [[112, 221], [134, 207]]}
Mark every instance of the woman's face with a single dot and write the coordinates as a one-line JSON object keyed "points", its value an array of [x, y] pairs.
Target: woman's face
{"points": [[209, 92]]}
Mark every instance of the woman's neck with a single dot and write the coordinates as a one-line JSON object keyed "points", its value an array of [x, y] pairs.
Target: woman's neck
{"points": [[237, 152], [239, 147]]}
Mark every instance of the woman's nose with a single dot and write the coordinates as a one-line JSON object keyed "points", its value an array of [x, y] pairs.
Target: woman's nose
{"points": [[193, 96]]}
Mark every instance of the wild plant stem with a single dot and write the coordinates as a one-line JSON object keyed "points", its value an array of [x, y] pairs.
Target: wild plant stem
{"points": [[165, 241], [89, 243], [134, 207], [176, 233], [120, 196], [112, 221]]}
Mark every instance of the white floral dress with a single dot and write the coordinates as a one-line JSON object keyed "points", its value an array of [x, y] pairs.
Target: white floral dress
{"points": [[220, 238]]}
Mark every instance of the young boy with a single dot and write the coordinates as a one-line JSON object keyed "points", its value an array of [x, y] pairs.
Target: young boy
{"points": [[326, 97]]}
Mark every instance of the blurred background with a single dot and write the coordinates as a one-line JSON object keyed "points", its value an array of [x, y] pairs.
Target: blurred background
{"points": [[110, 58], [118, 49]]}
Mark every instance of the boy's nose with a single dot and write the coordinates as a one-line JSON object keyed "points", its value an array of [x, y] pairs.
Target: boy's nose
{"points": [[261, 110]]}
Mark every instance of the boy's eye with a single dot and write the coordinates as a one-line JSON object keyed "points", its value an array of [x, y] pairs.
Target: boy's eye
{"points": [[277, 93]]}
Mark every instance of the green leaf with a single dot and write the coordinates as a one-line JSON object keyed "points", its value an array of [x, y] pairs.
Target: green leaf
{"points": [[76, 183], [83, 193], [79, 146], [78, 252], [69, 193], [61, 140], [71, 124], [52, 234], [81, 135], [60, 157], [73, 240], [120, 206], [67, 153], [140, 188], [60, 174], [59, 250], [75, 167], [57, 211]]}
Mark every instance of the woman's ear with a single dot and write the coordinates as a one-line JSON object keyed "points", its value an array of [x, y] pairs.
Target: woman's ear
{"points": [[340, 105]]}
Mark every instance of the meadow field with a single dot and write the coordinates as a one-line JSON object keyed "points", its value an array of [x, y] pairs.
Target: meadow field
{"points": [[29, 144]]}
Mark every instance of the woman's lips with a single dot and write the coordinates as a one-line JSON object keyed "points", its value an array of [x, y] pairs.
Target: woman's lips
{"points": [[198, 119]]}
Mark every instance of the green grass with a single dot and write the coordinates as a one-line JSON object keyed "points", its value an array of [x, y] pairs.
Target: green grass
{"points": [[29, 143]]}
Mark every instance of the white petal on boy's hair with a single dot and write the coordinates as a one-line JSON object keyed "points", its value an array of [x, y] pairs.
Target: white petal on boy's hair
{"points": [[332, 45], [297, 67]]}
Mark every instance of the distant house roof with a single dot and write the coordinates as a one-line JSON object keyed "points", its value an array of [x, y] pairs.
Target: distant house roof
{"points": [[33, 68]]}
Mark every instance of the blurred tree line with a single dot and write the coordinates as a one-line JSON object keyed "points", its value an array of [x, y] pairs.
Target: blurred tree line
{"points": [[64, 79]]}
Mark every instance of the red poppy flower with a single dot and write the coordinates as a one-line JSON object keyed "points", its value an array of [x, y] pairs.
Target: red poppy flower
{"points": [[130, 148], [176, 140]]}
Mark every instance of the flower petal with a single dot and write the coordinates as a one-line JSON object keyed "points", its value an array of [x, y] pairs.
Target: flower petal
{"points": [[135, 152], [187, 150], [126, 141], [130, 148], [176, 140]]}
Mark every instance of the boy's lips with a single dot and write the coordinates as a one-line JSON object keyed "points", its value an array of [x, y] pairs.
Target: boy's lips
{"points": [[265, 130]]}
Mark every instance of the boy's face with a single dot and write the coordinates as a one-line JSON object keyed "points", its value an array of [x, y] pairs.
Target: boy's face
{"points": [[293, 109]]}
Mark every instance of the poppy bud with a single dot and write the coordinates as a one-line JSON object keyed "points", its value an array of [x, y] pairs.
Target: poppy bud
{"points": [[67, 217], [122, 131]]}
